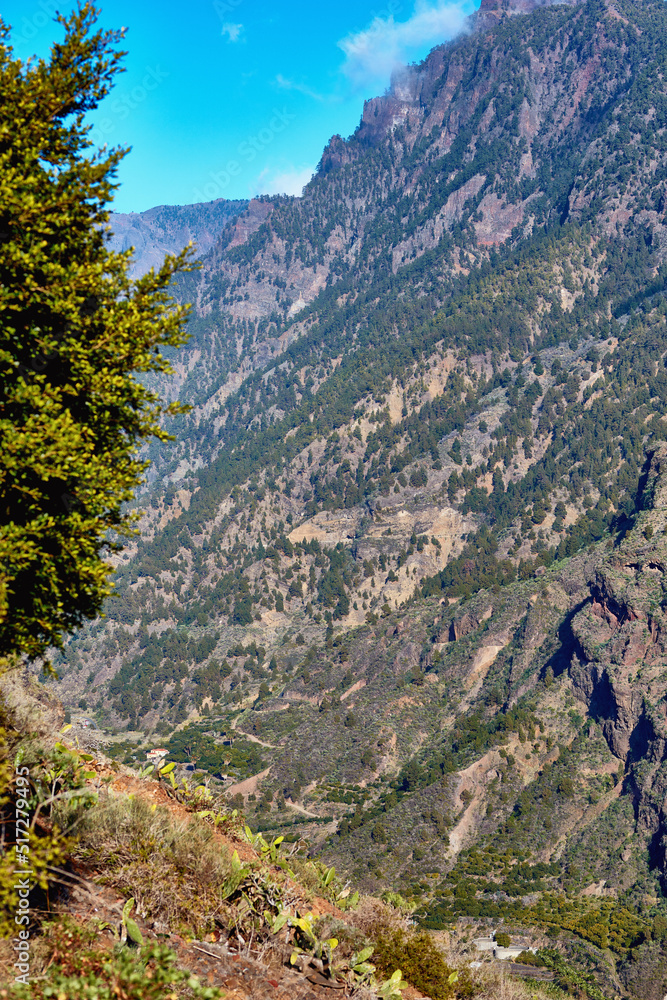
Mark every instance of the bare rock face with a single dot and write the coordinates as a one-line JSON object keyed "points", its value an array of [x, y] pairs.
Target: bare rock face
{"points": [[491, 11], [249, 221], [167, 229], [468, 622], [619, 665], [336, 153], [261, 275]]}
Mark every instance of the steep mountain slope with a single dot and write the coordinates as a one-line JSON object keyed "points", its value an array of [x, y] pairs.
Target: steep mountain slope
{"points": [[393, 417], [371, 587], [492, 136]]}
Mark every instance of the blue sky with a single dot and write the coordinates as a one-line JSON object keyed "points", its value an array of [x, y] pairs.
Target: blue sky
{"points": [[232, 98]]}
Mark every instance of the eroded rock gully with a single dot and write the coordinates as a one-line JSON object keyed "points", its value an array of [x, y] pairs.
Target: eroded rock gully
{"points": [[619, 668]]}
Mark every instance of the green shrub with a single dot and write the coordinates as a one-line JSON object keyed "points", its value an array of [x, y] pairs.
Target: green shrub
{"points": [[529, 958], [422, 965], [79, 969]]}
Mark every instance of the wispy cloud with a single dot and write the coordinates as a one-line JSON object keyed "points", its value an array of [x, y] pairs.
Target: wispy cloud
{"points": [[372, 54], [232, 31], [290, 180], [284, 84]]}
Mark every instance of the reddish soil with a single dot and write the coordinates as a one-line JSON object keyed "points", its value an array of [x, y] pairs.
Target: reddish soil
{"points": [[251, 973]]}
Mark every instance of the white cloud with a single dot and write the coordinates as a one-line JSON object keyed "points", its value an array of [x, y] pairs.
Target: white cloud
{"points": [[291, 180], [301, 88], [372, 54], [232, 31]]}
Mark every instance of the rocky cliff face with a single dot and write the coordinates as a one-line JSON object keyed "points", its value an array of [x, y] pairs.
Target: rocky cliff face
{"points": [[167, 229], [619, 668], [494, 136], [416, 385]]}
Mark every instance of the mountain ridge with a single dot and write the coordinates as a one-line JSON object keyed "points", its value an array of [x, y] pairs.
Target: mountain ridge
{"points": [[167, 229], [423, 394]]}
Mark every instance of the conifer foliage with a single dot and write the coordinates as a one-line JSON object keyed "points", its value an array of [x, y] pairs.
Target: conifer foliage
{"points": [[75, 333]]}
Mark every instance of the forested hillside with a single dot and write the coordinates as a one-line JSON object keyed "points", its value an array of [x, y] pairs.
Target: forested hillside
{"points": [[423, 395]]}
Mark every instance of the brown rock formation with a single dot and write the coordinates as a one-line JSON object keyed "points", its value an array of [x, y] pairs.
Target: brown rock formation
{"points": [[618, 669]]}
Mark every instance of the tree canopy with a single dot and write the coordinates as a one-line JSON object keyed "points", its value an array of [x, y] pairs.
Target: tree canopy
{"points": [[76, 335]]}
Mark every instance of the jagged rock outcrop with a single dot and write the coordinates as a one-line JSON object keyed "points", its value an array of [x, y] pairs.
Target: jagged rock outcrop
{"points": [[167, 229], [619, 667], [464, 95], [468, 622]]}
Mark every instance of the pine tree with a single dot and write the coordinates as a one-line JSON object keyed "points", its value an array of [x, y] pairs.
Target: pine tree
{"points": [[75, 333]]}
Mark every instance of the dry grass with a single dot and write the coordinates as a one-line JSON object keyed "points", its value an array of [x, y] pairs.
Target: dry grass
{"points": [[177, 871], [174, 869], [493, 982], [373, 918]]}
